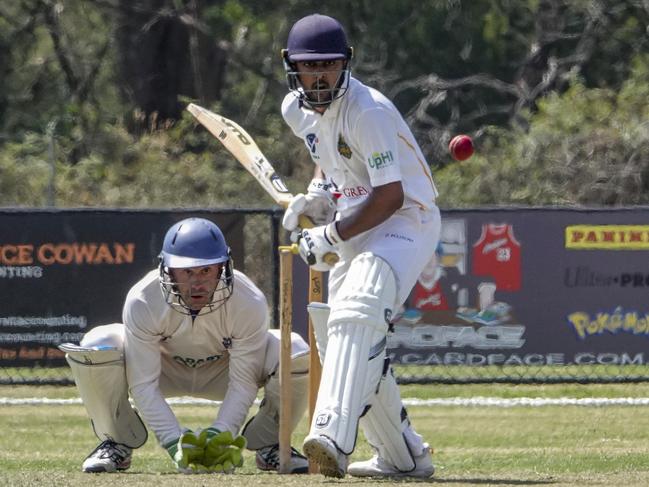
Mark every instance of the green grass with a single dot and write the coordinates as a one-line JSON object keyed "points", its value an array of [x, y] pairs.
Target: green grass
{"points": [[550, 445]]}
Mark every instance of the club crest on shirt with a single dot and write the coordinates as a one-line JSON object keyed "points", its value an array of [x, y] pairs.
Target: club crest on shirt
{"points": [[227, 343], [343, 148]]}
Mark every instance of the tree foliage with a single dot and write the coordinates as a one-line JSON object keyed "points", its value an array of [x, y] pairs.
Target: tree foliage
{"points": [[92, 95]]}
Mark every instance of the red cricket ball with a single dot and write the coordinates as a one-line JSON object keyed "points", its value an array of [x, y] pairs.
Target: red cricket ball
{"points": [[461, 147]]}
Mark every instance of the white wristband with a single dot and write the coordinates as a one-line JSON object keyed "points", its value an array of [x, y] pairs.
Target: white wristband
{"points": [[319, 186], [332, 235]]}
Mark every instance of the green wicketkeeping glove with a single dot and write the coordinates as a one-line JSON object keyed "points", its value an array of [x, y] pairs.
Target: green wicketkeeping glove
{"points": [[223, 452], [187, 452]]}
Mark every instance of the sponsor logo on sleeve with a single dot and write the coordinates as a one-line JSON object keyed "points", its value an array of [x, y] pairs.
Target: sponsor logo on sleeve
{"points": [[380, 160]]}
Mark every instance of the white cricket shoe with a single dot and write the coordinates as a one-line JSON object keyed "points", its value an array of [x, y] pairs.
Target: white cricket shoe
{"points": [[108, 457], [322, 451], [267, 458], [378, 467]]}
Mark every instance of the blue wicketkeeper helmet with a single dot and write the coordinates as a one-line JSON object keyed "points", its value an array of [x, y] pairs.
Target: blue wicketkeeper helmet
{"points": [[195, 242]]}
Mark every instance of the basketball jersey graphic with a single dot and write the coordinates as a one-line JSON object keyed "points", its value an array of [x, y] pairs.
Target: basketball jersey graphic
{"points": [[497, 254], [429, 299]]}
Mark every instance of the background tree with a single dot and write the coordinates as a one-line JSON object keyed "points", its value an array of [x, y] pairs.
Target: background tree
{"points": [[92, 95]]}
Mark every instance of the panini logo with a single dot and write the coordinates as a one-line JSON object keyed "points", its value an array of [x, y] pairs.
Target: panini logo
{"points": [[607, 237]]}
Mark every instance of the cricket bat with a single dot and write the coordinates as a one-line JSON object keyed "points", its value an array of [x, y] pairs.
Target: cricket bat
{"points": [[242, 146], [245, 150]]}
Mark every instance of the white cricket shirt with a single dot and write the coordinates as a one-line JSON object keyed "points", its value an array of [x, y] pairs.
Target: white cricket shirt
{"points": [[362, 141], [157, 335]]}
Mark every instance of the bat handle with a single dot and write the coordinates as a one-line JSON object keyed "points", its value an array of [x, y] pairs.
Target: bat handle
{"points": [[330, 258]]}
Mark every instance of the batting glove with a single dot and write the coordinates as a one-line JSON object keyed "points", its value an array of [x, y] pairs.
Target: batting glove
{"points": [[317, 204], [223, 452], [317, 246]]}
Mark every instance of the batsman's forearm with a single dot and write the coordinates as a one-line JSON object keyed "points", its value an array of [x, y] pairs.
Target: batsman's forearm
{"points": [[381, 204]]}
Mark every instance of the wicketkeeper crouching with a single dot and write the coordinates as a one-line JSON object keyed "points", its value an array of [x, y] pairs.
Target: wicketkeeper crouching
{"points": [[192, 327]]}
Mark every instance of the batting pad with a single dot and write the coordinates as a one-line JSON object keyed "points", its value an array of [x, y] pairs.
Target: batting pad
{"points": [[387, 427], [319, 314], [355, 349], [100, 376]]}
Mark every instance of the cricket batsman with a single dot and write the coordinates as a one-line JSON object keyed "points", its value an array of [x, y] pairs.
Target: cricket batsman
{"points": [[192, 327], [385, 230]]}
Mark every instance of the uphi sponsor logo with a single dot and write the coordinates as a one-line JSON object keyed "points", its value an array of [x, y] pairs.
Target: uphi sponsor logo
{"points": [[607, 237], [379, 160], [75, 253], [609, 322], [583, 276]]}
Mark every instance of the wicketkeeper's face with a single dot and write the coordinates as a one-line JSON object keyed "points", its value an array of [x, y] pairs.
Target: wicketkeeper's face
{"points": [[196, 285]]}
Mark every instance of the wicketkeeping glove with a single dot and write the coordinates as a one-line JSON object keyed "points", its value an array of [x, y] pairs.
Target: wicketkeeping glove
{"points": [[317, 204], [223, 452], [187, 452]]}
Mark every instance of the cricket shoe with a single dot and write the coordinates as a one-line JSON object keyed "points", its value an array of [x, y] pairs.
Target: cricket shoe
{"points": [[378, 467], [267, 458], [108, 457], [322, 451]]}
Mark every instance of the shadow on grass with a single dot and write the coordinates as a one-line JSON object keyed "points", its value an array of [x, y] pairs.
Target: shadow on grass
{"points": [[451, 481], [491, 481]]}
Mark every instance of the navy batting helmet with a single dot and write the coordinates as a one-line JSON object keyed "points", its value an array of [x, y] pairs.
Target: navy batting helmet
{"points": [[316, 38]]}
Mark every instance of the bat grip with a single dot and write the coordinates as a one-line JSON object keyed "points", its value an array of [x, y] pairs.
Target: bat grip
{"points": [[330, 258]]}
